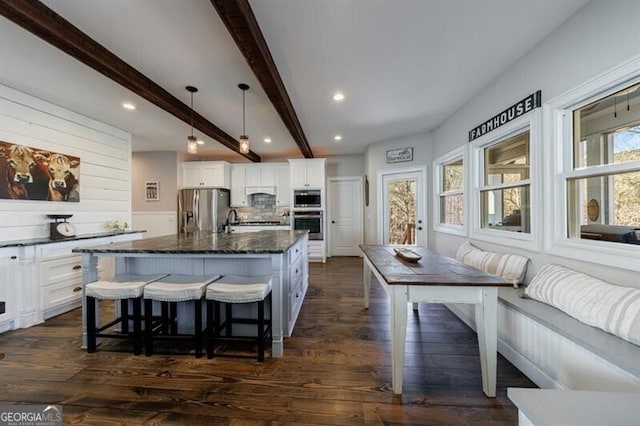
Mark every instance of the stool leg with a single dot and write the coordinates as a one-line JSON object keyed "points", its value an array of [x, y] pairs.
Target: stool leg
{"points": [[148, 327], [217, 326], [197, 333], [164, 328], [229, 319], [91, 324], [261, 331], [124, 316], [173, 318], [209, 331], [137, 326]]}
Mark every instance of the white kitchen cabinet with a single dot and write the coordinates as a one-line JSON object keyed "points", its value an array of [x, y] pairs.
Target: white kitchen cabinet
{"points": [[238, 195], [283, 186], [307, 173], [8, 287], [260, 175], [200, 174], [61, 284], [317, 251]]}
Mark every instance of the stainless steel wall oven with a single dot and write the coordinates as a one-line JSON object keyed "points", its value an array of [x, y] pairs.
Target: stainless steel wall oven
{"points": [[310, 220]]}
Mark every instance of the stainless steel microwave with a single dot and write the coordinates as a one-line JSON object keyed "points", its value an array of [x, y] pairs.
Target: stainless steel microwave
{"points": [[307, 198]]}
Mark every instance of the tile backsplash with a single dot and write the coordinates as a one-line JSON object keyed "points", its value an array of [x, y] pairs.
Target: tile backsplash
{"points": [[262, 207]]}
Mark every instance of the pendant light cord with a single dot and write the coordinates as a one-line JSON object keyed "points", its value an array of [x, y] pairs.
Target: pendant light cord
{"points": [[191, 114], [244, 132]]}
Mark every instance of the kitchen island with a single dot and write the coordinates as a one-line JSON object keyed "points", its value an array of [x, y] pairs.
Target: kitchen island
{"points": [[281, 254]]}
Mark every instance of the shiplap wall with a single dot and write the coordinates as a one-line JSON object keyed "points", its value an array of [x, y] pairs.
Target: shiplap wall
{"points": [[105, 166]]}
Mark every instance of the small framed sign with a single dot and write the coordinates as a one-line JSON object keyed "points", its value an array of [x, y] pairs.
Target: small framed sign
{"points": [[152, 192], [399, 155]]}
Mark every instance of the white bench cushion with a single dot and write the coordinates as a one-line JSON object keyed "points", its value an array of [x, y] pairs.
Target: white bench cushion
{"points": [[178, 288], [511, 267], [612, 308], [239, 289], [120, 287]]}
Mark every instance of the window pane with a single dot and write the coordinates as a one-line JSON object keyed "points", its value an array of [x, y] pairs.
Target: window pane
{"points": [[506, 209], [402, 211], [452, 175], [452, 210], [605, 208], [607, 131], [507, 161]]}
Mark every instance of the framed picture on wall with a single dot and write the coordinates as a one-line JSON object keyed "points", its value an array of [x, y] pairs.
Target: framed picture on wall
{"points": [[399, 155], [152, 192]]}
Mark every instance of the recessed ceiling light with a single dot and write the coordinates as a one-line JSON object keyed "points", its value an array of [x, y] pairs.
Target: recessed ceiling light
{"points": [[267, 140], [337, 138], [128, 105], [338, 96], [200, 142]]}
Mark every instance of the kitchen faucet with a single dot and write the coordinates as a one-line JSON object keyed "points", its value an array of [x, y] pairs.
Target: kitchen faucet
{"points": [[235, 216]]}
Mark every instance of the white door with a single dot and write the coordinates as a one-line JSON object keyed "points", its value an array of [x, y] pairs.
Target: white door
{"points": [[402, 209], [345, 216]]}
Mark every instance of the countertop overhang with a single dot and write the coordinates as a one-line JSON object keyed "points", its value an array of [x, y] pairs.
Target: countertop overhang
{"points": [[262, 242]]}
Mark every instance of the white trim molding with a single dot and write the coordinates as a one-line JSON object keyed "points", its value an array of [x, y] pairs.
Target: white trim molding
{"points": [[438, 226]]}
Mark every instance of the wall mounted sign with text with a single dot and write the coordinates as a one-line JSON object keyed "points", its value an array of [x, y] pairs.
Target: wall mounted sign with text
{"points": [[519, 109], [399, 155]]}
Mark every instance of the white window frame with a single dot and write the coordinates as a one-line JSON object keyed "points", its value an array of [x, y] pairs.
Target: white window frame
{"points": [[460, 153], [560, 168], [530, 241]]}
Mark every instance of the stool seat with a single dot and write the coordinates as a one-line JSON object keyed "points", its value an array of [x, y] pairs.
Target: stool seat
{"points": [[126, 286], [239, 289], [178, 288]]}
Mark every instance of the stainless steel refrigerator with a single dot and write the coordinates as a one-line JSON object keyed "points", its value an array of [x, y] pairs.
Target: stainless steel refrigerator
{"points": [[202, 210]]}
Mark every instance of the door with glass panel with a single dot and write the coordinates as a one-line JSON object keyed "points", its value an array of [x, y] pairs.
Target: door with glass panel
{"points": [[403, 219]]}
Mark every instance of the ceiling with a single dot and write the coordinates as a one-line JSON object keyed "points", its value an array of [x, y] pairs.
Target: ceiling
{"points": [[404, 66]]}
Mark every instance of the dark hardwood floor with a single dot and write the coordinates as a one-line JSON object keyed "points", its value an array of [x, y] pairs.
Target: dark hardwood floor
{"points": [[336, 370]]}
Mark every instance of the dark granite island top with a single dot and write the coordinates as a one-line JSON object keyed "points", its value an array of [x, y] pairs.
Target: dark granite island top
{"points": [[38, 241], [263, 242]]}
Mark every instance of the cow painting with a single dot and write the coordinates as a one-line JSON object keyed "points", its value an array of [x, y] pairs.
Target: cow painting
{"points": [[28, 173]]}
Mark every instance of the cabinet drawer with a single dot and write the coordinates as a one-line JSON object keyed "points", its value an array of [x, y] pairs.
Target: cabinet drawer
{"points": [[295, 297], [64, 268], [61, 292], [295, 271], [295, 252]]}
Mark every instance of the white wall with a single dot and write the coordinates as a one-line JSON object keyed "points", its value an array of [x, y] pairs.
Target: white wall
{"points": [[105, 166], [345, 165], [602, 35], [375, 162]]}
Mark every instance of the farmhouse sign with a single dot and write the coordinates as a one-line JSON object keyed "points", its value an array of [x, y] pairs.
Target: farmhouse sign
{"points": [[399, 155], [529, 103]]}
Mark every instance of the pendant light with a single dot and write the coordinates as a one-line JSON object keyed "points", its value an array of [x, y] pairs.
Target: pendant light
{"points": [[192, 142], [244, 139]]}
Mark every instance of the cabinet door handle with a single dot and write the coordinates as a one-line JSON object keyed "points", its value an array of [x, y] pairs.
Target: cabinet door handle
{"points": [[14, 257], [76, 267], [77, 289], [297, 270]]}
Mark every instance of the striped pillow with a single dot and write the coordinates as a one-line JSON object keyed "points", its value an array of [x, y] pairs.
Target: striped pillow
{"points": [[612, 308], [511, 267]]}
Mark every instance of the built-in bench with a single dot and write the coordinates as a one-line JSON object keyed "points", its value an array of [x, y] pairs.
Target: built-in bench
{"points": [[556, 350], [613, 349]]}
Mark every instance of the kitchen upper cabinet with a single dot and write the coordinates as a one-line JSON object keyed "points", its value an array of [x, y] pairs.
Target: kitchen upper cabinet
{"points": [[238, 195], [203, 174], [260, 175], [307, 173], [283, 186]]}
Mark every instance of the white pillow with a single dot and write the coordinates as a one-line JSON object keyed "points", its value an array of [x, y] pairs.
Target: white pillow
{"points": [[612, 308], [511, 267]]}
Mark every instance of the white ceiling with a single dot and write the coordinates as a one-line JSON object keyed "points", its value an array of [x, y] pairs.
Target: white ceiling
{"points": [[403, 65]]}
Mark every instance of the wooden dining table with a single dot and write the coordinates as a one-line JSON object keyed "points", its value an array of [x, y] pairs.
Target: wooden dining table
{"points": [[434, 279]]}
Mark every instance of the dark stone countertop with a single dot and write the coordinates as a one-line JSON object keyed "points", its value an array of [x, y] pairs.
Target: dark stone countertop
{"points": [[38, 241], [261, 242]]}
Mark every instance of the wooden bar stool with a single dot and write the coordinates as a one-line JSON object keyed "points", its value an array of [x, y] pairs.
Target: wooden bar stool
{"points": [[124, 288], [237, 289], [170, 291]]}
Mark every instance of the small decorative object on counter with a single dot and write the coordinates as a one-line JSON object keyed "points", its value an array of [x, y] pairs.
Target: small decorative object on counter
{"points": [[118, 225]]}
